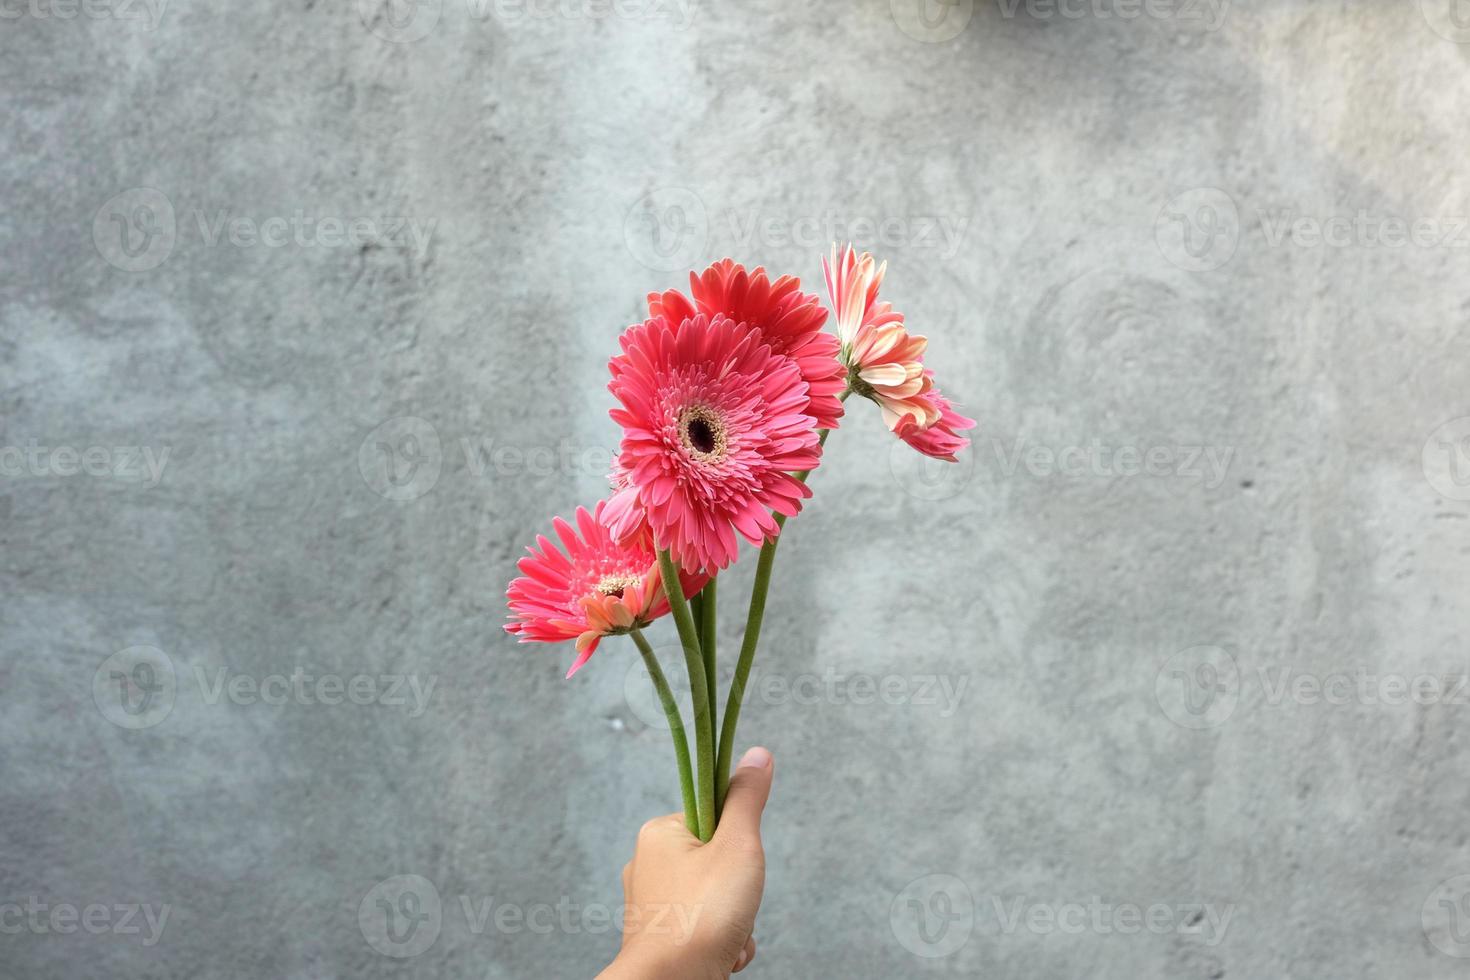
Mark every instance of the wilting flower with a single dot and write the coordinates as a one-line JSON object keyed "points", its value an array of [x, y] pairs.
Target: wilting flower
{"points": [[885, 362], [714, 424], [940, 440], [789, 320], [594, 588]]}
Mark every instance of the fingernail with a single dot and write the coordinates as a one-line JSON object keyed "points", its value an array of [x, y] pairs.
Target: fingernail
{"points": [[758, 757]]}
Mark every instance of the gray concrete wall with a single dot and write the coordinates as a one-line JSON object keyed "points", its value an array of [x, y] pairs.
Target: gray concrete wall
{"points": [[1146, 646]]}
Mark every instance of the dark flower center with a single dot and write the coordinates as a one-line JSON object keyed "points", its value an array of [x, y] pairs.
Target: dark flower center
{"points": [[703, 433]]}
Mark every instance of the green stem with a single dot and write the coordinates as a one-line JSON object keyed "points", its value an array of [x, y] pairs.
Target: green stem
{"points": [[704, 729], [676, 729], [707, 626], [753, 620]]}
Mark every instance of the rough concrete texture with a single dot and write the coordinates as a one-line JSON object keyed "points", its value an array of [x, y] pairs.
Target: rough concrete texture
{"points": [[1162, 680]]}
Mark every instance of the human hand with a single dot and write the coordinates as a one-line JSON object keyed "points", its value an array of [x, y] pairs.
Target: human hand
{"points": [[691, 906]]}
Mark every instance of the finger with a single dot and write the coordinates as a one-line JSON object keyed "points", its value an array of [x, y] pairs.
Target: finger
{"points": [[746, 955], [750, 787], [627, 877]]}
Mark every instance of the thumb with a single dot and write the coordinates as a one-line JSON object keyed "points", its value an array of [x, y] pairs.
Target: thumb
{"points": [[750, 787]]}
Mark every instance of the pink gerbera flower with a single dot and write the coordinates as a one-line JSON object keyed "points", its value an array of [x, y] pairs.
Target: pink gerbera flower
{"points": [[595, 588], [789, 320], [714, 424]]}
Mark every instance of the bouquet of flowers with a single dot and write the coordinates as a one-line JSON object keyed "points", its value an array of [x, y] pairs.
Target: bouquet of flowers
{"points": [[726, 397]]}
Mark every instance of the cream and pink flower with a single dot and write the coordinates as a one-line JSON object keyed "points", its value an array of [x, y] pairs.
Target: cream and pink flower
{"points": [[589, 588], [884, 362], [715, 424]]}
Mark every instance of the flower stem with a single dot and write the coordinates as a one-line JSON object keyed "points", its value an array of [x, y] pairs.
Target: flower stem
{"points": [[676, 728], [707, 627], [704, 729], [748, 643]]}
